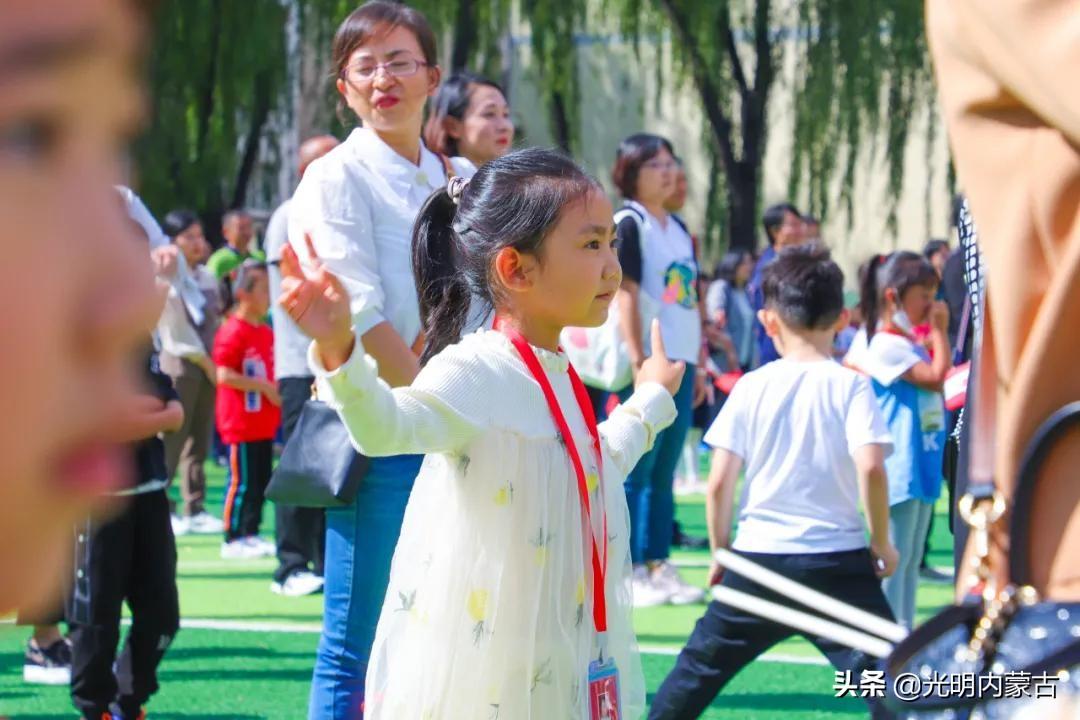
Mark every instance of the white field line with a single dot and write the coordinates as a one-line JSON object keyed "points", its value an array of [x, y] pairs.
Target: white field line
{"points": [[271, 627], [255, 626]]}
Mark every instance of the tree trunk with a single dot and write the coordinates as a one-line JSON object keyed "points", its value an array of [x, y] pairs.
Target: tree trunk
{"points": [[560, 120], [743, 169], [464, 35], [742, 187], [259, 114], [206, 109]]}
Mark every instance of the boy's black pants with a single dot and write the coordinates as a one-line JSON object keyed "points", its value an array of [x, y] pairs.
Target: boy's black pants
{"points": [[250, 467], [725, 640], [130, 557]]}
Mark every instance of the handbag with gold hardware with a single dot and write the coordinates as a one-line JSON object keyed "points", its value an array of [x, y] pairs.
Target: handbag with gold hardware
{"points": [[1004, 649]]}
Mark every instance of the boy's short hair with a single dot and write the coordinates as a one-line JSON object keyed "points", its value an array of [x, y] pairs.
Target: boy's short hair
{"points": [[246, 273], [805, 287]]}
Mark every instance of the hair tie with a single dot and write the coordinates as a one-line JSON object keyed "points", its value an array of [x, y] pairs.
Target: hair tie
{"points": [[456, 187]]}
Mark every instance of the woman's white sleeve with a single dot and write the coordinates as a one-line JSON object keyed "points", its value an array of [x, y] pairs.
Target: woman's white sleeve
{"points": [[178, 337], [334, 209], [632, 428], [440, 412]]}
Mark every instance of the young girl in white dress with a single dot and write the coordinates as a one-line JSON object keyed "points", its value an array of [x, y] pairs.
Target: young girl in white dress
{"points": [[510, 582]]}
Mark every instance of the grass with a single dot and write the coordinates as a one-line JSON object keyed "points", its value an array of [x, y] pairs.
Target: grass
{"points": [[264, 671]]}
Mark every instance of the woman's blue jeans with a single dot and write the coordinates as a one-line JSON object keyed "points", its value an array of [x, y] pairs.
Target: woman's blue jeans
{"points": [[360, 542], [649, 492]]}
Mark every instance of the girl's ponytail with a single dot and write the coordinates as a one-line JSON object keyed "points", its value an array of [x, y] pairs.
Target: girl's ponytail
{"points": [[442, 288], [869, 300]]}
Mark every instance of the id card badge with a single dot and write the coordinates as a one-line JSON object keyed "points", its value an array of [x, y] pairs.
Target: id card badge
{"points": [[604, 691], [931, 411]]}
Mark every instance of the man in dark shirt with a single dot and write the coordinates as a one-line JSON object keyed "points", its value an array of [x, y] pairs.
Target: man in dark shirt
{"points": [[784, 227]]}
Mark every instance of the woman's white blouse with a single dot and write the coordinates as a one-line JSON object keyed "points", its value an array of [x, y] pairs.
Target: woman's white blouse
{"points": [[358, 203]]}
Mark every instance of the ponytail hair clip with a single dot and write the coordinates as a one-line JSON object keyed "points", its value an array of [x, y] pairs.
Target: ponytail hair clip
{"points": [[456, 187]]}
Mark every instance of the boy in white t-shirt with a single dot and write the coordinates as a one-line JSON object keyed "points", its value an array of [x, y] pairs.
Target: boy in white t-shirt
{"points": [[812, 441]]}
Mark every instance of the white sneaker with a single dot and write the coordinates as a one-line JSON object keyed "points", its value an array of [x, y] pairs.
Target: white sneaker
{"points": [[262, 548], [240, 549], [180, 525], [298, 584], [646, 592], [205, 524], [666, 577]]}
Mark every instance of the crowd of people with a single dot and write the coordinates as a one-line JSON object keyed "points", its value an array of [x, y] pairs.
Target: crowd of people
{"points": [[421, 280]]}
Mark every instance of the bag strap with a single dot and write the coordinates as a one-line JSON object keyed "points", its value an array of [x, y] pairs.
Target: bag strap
{"points": [[632, 212], [962, 330], [1023, 499], [984, 502]]}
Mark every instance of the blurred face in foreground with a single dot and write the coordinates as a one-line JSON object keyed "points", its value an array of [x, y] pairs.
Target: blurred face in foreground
{"points": [[76, 287]]}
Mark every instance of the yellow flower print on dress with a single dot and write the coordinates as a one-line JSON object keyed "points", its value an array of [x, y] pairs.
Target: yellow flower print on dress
{"points": [[592, 481], [493, 696], [476, 605], [540, 541], [505, 495]]}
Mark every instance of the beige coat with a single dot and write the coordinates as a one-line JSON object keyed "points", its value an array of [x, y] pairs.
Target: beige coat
{"points": [[1008, 73]]}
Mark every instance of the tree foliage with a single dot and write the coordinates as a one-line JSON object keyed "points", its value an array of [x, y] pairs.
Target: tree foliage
{"points": [[219, 69], [216, 72], [862, 70]]}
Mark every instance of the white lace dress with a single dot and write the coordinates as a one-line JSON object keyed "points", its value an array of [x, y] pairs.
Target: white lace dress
{"points": [[488, 615]]}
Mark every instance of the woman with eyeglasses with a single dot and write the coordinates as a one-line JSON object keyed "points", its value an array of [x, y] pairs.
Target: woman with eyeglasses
{"points": [[660, 279], [357, 205]]}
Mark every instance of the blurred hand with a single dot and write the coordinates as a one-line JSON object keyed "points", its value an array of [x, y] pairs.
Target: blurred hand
{"points": [[716, 574], [886, 558], [317, 303], [714, 333], [703, 390], [272, 394], [165, 261], [939, 315]]}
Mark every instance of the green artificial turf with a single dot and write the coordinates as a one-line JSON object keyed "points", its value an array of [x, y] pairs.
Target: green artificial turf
{"points": [[260, 667]]}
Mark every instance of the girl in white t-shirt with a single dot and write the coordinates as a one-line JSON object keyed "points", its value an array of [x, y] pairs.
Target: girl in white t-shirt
{"points": [[897, 295], [515, 538], [660, 274]]}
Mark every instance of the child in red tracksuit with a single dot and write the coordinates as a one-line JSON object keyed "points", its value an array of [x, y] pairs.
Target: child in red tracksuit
{"points": [[247, 410]]}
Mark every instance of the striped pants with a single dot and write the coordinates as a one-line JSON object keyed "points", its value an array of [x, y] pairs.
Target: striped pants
{"points": [[250, 465]]}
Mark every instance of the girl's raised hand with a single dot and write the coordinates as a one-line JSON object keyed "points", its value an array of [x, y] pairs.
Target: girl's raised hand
{"points": [[657, 368], [319, 305]]}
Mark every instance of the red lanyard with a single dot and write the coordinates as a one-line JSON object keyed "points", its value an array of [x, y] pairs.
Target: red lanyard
{"points": [[599, 557]]}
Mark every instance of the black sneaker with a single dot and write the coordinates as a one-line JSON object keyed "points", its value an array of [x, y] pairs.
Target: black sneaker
{"points": [[48, 666], [688, 542]]}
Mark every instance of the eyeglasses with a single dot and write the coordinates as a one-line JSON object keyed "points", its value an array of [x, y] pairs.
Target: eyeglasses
{"points": [[401, 67], [660, 164]]}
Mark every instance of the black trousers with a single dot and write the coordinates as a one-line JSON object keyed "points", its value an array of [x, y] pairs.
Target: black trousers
{"points": [[131, 557], [250, 465], [300, 532], [726, 640]]}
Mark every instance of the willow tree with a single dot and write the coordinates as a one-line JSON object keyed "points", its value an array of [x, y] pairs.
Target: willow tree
{"points": [[862, 67], [216, 72]]}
